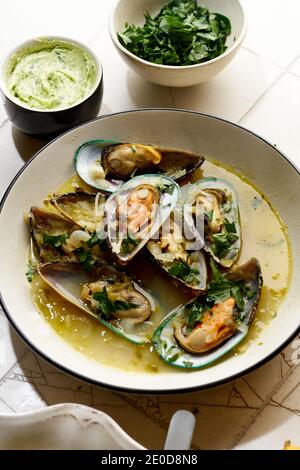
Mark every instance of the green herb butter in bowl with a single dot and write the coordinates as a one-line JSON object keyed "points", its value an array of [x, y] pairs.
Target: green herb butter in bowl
{"points": [[177, 43], [51, 84]]}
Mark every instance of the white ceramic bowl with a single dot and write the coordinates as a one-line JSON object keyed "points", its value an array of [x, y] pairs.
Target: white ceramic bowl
{"points": [[63, 427], [132, 12], [258, 160], [48, 123]]}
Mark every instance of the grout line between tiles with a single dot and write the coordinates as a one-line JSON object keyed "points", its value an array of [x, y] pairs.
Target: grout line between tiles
{"points": [[262, 95], [294, 74], [283, 72], [264, 58]]}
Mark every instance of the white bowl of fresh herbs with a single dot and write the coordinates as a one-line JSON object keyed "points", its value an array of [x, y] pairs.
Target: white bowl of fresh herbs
{"points": [[178, 43]]}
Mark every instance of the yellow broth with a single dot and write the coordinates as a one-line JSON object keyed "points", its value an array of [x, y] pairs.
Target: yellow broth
{"points": [[264, 237]]}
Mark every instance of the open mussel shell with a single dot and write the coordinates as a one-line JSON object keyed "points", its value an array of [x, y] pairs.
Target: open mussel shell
{"points": [[82, 208], [71, 281], [58, 239], [211, 212], [137, 211], [106, 165], [216, 337], [44, 223], [170, 250]]}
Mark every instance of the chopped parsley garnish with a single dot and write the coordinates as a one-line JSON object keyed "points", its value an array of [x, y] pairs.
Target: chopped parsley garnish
{"points": [[223, 241], [105, 304], [166, 188], [109, 307], [94, 241], [55, 241], [195, 312], [31, 270], [183, 271], [227, 206], [128, 244], [209, 215], [183, 33], [229, 226], [85, 258], [220, 289]]}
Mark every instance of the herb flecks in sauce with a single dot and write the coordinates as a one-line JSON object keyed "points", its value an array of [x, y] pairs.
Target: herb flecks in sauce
{"points": [[90, 338]]}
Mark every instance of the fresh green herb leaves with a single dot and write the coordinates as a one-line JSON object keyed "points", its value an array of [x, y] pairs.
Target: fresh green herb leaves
{"points": [[172, 352], [183, 33], [104, 303], [195, 312], [223, 241], [31, 270], [94, 240], [128, 244], [166, 188], [209, 215], [85, 257], [54, 241], [109, 307], [123, 305], [220, 289], [183, 271], [229, 226]]}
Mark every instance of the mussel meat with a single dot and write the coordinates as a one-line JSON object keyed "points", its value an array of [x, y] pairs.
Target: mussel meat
{"points": [[171, 252], [211, 212], [106, 165], [137, 211], [200, 332], [109, 295]]}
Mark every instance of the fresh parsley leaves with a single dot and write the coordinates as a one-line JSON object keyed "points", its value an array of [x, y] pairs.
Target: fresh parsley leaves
{"points": [[104, 303], [220, 289], [166, 188], [183, 33], [31, 270], [128, 244], [195, 312], [223, 241], [54, 241], [183, 271], [85, 257], [94, 241], [109, 307]]}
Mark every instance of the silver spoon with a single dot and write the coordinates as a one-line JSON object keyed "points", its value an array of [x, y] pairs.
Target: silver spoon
{"points": [[180, 431]]}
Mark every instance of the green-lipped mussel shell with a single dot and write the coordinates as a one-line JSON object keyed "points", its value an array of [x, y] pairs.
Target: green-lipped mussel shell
{"points": [[175, 355]]}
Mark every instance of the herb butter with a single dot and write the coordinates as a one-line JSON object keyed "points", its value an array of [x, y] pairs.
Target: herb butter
{"points": [[51, 74]]}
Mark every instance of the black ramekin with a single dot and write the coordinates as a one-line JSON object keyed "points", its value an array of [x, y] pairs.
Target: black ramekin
{"points": [[46, 124]]}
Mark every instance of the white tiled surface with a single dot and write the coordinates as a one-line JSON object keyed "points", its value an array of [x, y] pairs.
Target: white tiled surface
{"points": [[260, 89]]}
